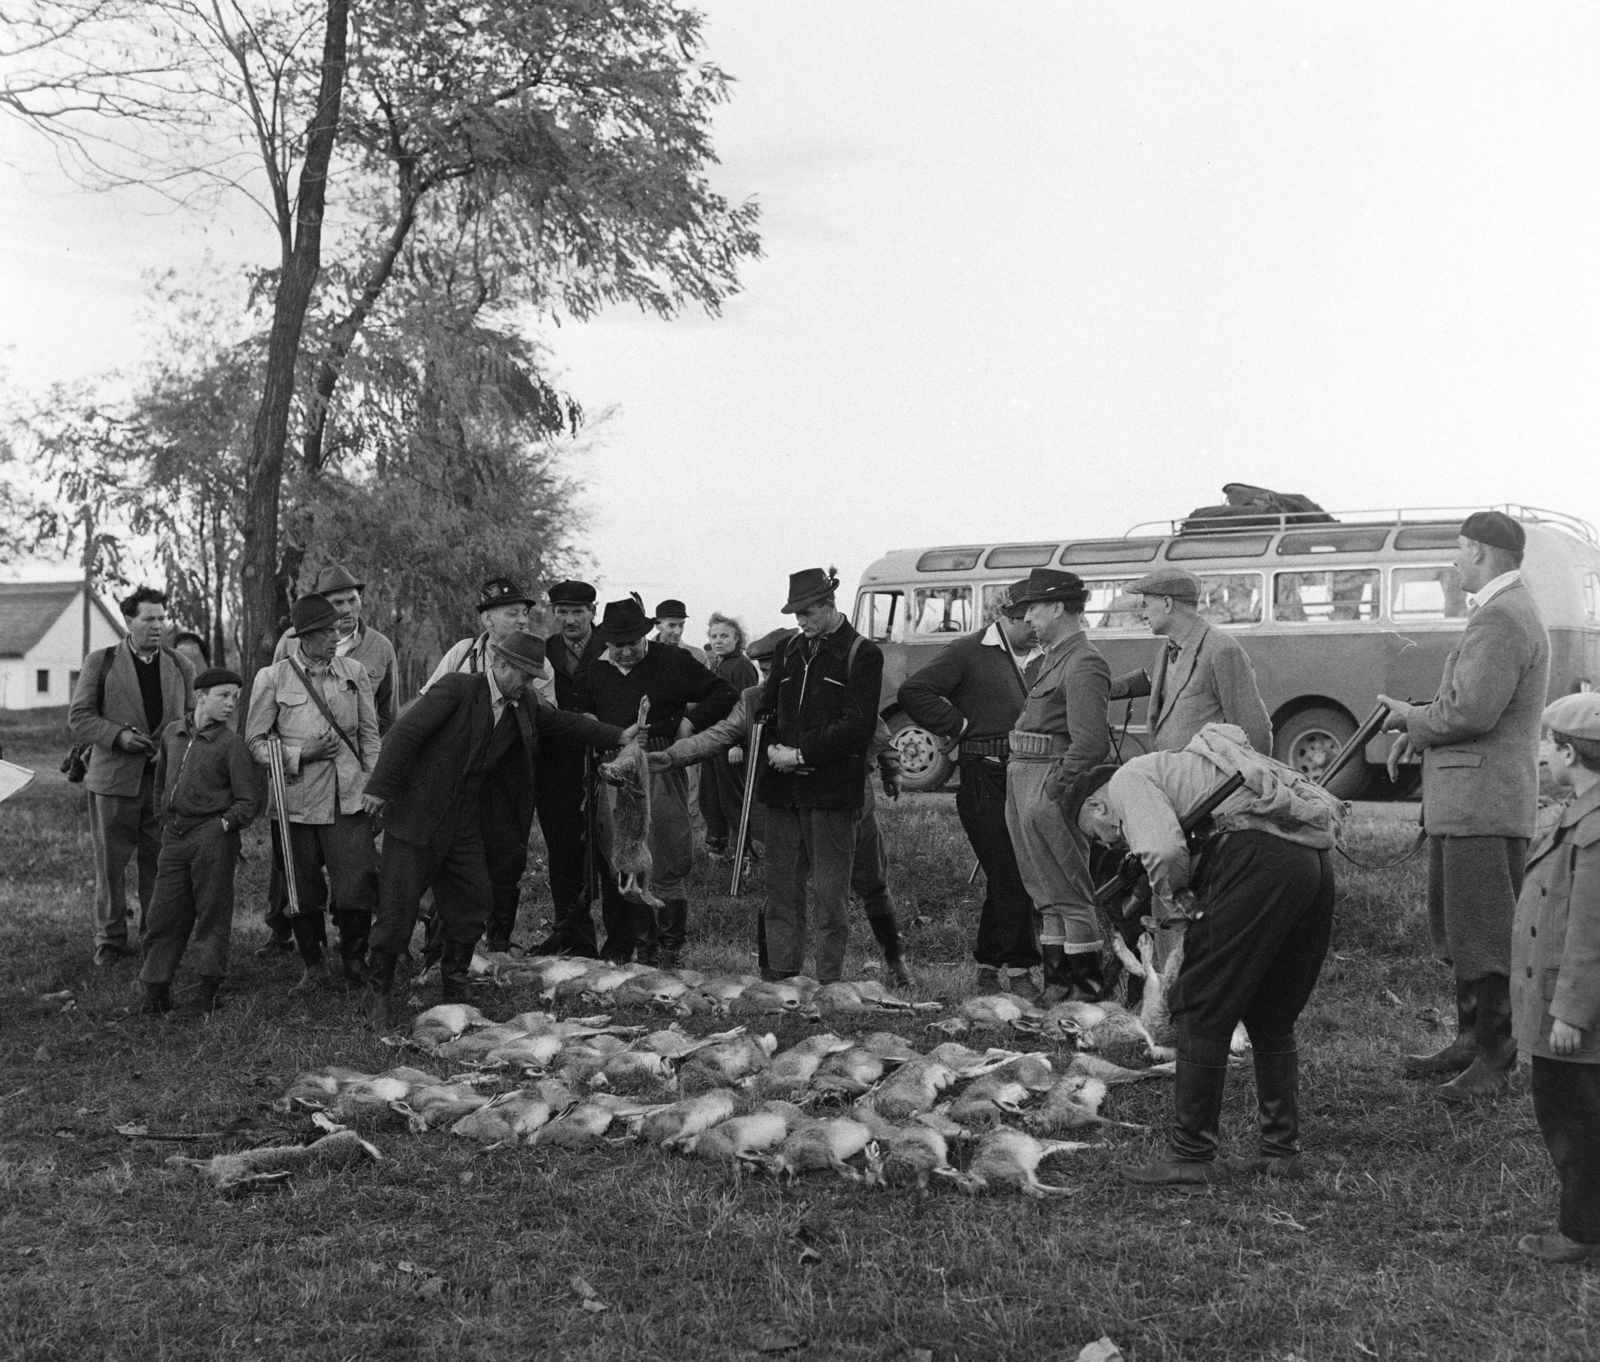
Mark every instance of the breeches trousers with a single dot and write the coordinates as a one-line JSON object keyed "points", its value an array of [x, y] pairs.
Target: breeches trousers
{"points": [[1053, 858], [1473, 883]]}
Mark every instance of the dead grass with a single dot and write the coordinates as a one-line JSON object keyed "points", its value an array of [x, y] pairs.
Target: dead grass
{"points": [[1399, 1247]]}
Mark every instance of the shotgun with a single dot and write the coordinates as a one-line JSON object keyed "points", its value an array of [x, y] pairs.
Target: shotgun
{"points": [[1130, 880], [280, 796], [1358, 741], [752, 756]]}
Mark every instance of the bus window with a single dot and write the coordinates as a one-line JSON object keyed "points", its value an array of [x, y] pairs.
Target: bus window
{"points": [[1591, 597], [1426, 593], [941, 610], [1321, 597], [1112, 606], [1020, 556], [878, 616], [996, 596], [1230, 597]]}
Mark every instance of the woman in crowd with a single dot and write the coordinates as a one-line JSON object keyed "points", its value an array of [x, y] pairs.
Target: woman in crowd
{"points": [[721, 785]]}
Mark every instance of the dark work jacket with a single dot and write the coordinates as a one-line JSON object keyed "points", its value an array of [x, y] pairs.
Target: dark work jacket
{"points": [[566, 667], [970, 690], [829, 710], [438, 751], [673, 680]]}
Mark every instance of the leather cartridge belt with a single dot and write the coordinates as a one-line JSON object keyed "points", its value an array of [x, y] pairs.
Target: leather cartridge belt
{"points": [[974, 748], [657, 744], [1038, 746]]}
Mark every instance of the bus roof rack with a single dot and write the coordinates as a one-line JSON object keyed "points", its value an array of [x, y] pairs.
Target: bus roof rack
{"points": [[1190, 528]]}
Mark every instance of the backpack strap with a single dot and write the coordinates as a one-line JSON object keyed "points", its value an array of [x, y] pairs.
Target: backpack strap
{"points": [[316, 697], [100, 681]]}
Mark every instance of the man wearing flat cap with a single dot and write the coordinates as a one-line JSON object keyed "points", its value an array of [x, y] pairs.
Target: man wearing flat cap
{"points": [[1479, 741], [684, 698], [373, 651], [428, 785], [671, 617], [320, 706], [1202, 675], [564, 778], [820, 705], [972, 695], [1060, 732]]}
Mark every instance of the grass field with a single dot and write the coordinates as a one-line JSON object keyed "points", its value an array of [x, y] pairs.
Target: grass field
{"points": [[1400, 1245]]}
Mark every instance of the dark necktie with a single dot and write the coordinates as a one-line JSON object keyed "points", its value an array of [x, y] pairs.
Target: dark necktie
{"points": [[1173, 649]]}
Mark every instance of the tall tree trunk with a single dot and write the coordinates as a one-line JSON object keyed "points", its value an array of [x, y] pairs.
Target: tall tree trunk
{"points": [[265, 601]]}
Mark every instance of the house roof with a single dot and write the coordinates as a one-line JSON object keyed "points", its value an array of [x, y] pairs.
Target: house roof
{"points": [[28, 609]]}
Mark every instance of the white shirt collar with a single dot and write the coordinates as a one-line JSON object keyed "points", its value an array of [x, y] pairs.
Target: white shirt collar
{"points": [[494, 693], [992, 639], [347, 645], [1492, 588]]}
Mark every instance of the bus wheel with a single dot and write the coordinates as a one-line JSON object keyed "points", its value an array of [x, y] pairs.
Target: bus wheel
{"points": [[1312, 739], [923, 767]]}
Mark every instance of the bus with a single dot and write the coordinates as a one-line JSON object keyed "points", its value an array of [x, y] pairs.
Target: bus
{"points": [[1330, 613]]}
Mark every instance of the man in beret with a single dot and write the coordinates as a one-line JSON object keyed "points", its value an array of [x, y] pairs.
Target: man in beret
{"points": [[565, 778], [1202, 675], [209, 790], [971, 695], [820, 704], [320, 706], [428, 785], [1060, 732], [684, 698], [671, 616], [373, 651], [1479, 741], [1256, 909]]}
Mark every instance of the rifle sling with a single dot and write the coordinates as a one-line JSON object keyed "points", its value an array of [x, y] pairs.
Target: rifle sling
{"points": [[316, 699]]}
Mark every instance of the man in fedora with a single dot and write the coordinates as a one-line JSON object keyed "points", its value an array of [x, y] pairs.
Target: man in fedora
{"points": [[971, 695], [429, 783], [820, 705], [320, 706], [671, 617], [564, 777], [373, 651], [502, 611], [1479, 742], [684, 698], [1202, 676], [1060, 732]]}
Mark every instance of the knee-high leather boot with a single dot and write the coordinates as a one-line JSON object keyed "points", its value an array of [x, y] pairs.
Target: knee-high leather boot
{"points": [[1460, 1053], [380, 987], [455, 972], [646, 934], [1489, 1074], [1192, 1137], [1277, 1153], [1086, 977], [887, 932], [353, 931], [672, 923], [1057, 977]]}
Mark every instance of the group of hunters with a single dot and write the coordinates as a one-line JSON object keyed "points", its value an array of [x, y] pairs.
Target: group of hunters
{"points": [[512, 726]]}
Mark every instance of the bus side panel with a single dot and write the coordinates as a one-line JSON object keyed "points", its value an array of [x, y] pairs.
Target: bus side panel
{"points": [[1574, 660], [901, 660], [1291, 668], [1417, 664]]}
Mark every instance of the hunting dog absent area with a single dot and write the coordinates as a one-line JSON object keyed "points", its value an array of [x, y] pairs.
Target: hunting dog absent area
{"points": [[1400, 1245]]}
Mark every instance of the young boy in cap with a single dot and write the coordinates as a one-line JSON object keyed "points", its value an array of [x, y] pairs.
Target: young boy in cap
{"points": [[208, 790], [1555, 980], [1479, 741]]}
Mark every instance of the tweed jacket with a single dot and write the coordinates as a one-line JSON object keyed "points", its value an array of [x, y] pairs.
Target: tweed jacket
{"points": [[1211, 682], [1067, 687], [120, 773], [373, 651], [1555, 940], [438, 750], [1480, 735], [318, 791]]}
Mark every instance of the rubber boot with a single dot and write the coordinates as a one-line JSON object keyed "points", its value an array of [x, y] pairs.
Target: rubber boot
{"points": [[1459, 1054], [1057, 979], [375, 1000], [1086, 977], [762, 965], [672, 931], [1192, 1137], [887, 931], [353, 930], [646, 936], [455, 972], [1489, 1074], [157, 999], [1278, 1111]]}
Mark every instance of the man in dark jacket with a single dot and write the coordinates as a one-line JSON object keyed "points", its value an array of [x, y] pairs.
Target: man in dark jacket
{"points": [[821, 709], [684, 698], [562, 790], [972, 694], [427, 784]]}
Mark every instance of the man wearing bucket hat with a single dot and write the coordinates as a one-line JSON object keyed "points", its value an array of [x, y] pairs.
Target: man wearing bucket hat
{"points": [[562, 818], [971, 695], [502, 611], [1060, 732], [1202, 675], [1479, 741], [684, 698], [436, 765], [373, 651], [320, 706], [820, 704]]}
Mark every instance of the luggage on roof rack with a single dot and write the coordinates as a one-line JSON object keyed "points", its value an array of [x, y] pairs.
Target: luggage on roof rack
{"points": [[1250, 507]]}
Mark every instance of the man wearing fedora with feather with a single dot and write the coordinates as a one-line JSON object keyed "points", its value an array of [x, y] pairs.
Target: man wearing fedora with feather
{"points": [[684, 699], [821, 708], [470, 733]]}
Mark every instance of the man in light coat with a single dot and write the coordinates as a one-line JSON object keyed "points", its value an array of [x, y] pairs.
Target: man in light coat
{"points": [[126, 697], [1202, 675], [1479, 740]]}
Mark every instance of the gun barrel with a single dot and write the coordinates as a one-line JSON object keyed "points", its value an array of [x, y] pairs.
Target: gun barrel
{"points": [[280, 796], [752, 754], [1357, 744]]}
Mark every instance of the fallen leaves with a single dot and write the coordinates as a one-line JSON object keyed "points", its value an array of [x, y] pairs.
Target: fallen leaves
{"points": [[780, 1340], [1101, 1350], [588, 1297]]}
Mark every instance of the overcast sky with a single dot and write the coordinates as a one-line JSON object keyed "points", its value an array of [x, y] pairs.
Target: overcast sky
{"points": [[1038, 270]]}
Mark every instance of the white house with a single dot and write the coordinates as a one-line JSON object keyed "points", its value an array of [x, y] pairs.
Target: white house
{"points": [[41, 641]]}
